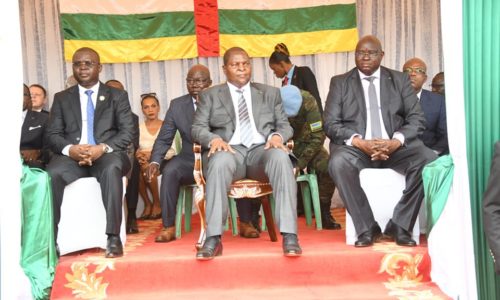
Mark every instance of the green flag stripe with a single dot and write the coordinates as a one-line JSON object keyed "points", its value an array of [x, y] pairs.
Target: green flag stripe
{"points": [[341, 16], [127, 27]]}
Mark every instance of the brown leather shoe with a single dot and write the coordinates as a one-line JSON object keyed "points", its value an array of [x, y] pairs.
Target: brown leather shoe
{"points": [[166, 235], [248, 231]]}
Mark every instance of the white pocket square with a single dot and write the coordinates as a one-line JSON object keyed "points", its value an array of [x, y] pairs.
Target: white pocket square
{"points": [[34, 127]]}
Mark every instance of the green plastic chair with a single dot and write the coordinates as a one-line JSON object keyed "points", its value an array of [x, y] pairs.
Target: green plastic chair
{"points": [[308, 184], [185, 201]]}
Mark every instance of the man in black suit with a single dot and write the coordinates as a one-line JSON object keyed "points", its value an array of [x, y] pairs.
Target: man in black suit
{"points": [[244, 127], [178, 170], [491, 209], [132, 191], [90, 142], [435, 135], [373, 120], [32, 144]]}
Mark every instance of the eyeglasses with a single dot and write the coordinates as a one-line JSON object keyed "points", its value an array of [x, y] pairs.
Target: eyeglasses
{"points": [[86, 63], [197, 81], [370, 53], [238, 65], [148, 95], [416, 70]]}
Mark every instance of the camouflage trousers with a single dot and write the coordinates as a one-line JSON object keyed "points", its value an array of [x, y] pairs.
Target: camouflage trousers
{"points": [[325, 184]]}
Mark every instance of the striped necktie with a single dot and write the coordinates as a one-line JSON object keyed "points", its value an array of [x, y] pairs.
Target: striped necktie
{"points": [[246, 134], [90, 118]]}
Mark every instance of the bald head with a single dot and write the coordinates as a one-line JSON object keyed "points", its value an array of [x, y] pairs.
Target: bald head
{"points": [[417, 70], [438, 83], [115, 83], [198, 79], [368, 55]]}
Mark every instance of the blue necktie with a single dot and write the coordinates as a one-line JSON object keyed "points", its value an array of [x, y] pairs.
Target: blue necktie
{"points": [[90, 118]]}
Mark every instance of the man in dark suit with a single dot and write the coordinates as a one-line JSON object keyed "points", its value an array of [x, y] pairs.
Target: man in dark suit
{"points": [[491, 209], [244, 127], [178, 170], [132, 191], [435, 135], [32, 144], [90, 142], [373, 120]]}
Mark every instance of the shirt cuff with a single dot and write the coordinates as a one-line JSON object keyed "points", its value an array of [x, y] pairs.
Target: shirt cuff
{"points": [[349, 141], [399, 136], [65, 150]]}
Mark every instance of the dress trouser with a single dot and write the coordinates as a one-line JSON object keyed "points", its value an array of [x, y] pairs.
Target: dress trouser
{"points": [[345, 164]]}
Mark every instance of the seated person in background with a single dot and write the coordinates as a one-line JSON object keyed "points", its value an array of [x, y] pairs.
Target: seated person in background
{"points": [[179, 170], [70, 81], [32, 134], [373, 120], [132, 191], [435, 135], [148, 132], [38, 98], [301, 77], [491, 209], [244, 128], [308, 137], [90, 142], [438, 84]]}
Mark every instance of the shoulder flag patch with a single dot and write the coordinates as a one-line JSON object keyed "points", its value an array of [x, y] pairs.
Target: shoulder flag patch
{"points": [[316, 126]]}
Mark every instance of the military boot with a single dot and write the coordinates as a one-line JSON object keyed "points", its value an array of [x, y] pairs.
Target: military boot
{"points": [[327, 220]]}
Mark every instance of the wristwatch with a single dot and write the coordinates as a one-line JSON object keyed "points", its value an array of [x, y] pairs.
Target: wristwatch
{"points": [[105, 148]]}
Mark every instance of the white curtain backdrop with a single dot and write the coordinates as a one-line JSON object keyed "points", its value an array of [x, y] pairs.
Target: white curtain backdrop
{"points": [[406, 28]]}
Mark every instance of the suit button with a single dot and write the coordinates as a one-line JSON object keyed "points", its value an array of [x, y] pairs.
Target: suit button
{"points": [[77, 138]]}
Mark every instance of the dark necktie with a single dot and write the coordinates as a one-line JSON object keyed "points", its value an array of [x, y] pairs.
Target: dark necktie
{"points": [[246, 134], [374, 115], [285, 81], [90, 118]]}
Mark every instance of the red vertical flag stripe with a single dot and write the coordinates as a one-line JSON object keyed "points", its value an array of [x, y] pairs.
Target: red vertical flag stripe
{"points": [[206, 18]]}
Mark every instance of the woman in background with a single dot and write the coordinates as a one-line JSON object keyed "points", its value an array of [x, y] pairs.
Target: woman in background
{"points": [[301, 77]]}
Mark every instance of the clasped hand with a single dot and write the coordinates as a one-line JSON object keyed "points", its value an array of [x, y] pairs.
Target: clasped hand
{"points": [[85, 154], [377, 149]]}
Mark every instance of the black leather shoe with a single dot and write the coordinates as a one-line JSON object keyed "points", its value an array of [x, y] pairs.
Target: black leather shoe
{"points": [[328, 222], [211, 248], [367, 238], [114, 248], [291, 245], [132, 227], [399, 234]]}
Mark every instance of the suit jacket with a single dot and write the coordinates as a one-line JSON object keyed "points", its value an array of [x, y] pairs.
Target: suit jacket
{"points": [[33, 129], [435, 135], [345, 110], [113, 123], [178, 117], [491, 209], [215, 116], [304, 79]]}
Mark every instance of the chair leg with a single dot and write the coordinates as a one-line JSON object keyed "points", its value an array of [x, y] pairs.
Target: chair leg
{"points": [[188, 207], [178, 213], [306, 198], [233, 214], [313, 186], [269, 218]]}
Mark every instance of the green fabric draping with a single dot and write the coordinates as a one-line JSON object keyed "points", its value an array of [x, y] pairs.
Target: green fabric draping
{"points": [[38, 251], [437, 177]]}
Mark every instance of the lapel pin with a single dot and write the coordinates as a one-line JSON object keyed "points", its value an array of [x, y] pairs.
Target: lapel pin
{"points": [[101, 98]]}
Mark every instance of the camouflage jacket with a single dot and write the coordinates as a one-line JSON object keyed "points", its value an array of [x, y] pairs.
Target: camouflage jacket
{"points": [[308, 134]]}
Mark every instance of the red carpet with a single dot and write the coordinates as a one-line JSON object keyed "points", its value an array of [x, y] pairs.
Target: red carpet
{"points": [[249, 268]]}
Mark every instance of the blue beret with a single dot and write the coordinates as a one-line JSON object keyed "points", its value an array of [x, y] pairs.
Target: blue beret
{"points": [[292, 100]]}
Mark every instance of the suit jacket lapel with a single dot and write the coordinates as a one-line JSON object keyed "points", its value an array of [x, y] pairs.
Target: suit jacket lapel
{"points": [[226, 100], [102, 100], [75, 105], [257, 103], [359, 95], [385, 99]]}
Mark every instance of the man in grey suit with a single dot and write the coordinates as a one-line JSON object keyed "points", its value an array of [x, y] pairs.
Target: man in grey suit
{"points": [[491, 209], [244, 127], [178, 170], [373, 119], [90, 142], [433, 105]]}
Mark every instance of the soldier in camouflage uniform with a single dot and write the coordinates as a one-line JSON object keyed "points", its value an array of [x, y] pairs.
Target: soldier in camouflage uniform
{"points": [[308, 138]]}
